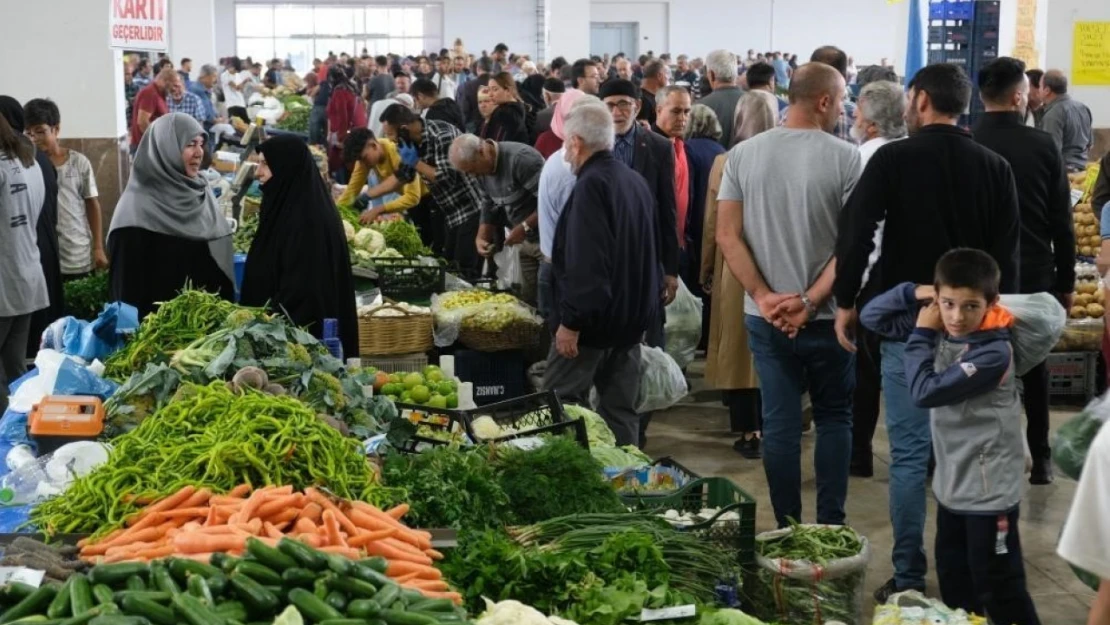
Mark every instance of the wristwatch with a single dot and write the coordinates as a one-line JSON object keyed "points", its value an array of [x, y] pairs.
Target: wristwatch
{"points": [[811, 310]]}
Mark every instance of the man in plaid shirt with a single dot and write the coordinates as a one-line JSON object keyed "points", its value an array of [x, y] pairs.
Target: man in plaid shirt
{"points": [[181, 100], [457, 195], [836, 58]]}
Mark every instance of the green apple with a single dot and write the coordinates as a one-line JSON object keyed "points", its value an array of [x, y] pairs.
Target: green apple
{"points": [[413, 379], [437, 401], [453, 400], [420, 393]]}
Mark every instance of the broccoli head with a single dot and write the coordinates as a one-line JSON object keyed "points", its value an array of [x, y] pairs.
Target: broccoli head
{"points": [[298, 355], [324, 390], [239, 317]]}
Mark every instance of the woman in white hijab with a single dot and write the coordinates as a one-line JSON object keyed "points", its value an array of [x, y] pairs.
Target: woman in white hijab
{"points": [[167, 229]]}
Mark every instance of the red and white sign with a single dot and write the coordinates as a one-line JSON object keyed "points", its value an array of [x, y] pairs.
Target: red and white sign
{"points": [[139, 24]]}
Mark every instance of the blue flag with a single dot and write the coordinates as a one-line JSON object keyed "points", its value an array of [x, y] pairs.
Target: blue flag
{"points": [[915, 41]]}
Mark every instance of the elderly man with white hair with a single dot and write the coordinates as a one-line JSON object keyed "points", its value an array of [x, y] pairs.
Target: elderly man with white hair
{"points": [[509, 176], [720, 68], [606, 276]]}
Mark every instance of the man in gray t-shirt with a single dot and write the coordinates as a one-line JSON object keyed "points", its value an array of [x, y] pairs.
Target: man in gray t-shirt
{"points": [[779, 205]]}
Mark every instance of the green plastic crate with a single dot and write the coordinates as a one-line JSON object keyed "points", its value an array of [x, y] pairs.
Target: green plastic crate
{"points": [[710, 492]]}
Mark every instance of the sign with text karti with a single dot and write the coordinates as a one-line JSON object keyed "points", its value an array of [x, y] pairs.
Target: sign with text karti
{"points": [[139, 24]]}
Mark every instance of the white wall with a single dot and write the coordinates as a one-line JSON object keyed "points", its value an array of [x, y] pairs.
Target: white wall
{"points": [[699, 28], [90, 95], [193, 32], [653, 18], [568, 29], [1062, 15]]}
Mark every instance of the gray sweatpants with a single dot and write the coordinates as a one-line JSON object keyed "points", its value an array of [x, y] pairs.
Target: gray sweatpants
{"points": [[13, 352], [616, 374]]}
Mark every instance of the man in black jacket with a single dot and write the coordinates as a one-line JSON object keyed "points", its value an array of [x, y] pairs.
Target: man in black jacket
{"points": [[1047, 238], [936, 190], [426, 96], [605, 276], [467, 94]]}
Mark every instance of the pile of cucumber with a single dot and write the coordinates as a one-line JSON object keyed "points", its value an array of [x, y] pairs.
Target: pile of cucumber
{"points": [[325, 589]]}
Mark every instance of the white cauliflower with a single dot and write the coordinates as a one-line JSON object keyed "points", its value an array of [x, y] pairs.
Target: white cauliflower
{"points": [[349, 231], [370, 240], [387, 252], [486, 428], [515, 613]]}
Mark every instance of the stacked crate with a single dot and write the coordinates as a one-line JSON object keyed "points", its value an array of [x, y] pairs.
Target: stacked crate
{"points": [[964, 32]]}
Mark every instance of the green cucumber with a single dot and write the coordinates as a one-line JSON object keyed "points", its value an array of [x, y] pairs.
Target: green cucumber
{"points": [[80, 596], [220, 558], [336, 600], [103, 595], [340, 565], [135, 583], [153, 596], [259, 601], [217, 584], [363, 608], [16, 591], [388, 595], [368, 574], [59, 606], [377, 563], [259, 572], [157, 613], [83, 618], [297, 577], [343, 621], [269, 556], [232, 611], [117, 574], [118, 619], [432, 605], [194, 612], [199, 589], [320, 587], [355, 588], [162, 580], [181, 568], [313, 609], [398, 617], [34, 603], [306, 556]]}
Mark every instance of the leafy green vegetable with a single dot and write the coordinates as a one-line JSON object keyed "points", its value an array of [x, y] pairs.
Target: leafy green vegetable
{"points": [[620, 457], [402, 236], [448, 487], [85, 297], [295, 120], [557, 479], [244, 234], [142, 395], [596, 428]]}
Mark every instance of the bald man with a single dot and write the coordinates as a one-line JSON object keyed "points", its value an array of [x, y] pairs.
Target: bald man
{"points": [[777, 234]]}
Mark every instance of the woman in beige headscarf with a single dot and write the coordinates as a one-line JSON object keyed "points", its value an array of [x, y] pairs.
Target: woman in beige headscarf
{"points": [[729, 364]]}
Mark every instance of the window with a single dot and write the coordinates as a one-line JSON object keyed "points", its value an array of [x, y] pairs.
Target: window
{"points": [[301, 32]]}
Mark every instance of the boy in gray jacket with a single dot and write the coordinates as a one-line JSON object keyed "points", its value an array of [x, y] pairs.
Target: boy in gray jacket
{"points": [[959, 364]]}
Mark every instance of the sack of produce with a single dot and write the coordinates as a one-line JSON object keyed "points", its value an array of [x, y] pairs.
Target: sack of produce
{"points": [[476, 317], [662, 383], [683, 327], [810, 574], [1073, 438], [913, 608], [1039, 321]]}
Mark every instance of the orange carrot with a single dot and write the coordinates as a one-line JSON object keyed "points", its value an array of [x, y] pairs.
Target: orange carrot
{"points": [[405, 578], [398, 511], [278, 504], [367, 522], [453, 596], [425, 584], [380, 548], [325, 503], [169, 503], [269, 530], [404, 533], [198, 498], [312, 540], [407, 548], [400, 567], [200, 543], [247, 512], [145, 555], [332, 526], [282, 517], [240, 491], [312, 512], [224, 500], [304, 526], [433, 554], [365, 538], [185, 512]]}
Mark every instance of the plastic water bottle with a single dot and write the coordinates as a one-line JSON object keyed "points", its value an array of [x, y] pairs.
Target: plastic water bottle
{"points": [[331, 338], [25, 485]]}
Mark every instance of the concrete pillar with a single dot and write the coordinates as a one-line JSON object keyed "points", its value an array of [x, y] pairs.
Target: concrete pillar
{"points": [[193, 32], [59, 50]]}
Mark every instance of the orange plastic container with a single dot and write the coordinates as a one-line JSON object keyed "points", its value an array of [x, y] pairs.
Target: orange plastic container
{"points": [[61, 419]]}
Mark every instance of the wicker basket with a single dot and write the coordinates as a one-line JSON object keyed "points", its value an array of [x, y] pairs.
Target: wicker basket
{"points": [[406, 334], [523, 335]]}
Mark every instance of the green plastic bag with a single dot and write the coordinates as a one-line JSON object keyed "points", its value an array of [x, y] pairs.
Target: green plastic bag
{"points": [[1073, 439]]}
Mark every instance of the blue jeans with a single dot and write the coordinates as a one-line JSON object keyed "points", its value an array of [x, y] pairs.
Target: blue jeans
{"points": [[907, 427], [545, 290], [816, 362]]}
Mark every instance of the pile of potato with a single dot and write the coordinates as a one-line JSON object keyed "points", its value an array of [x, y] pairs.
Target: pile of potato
{"points": [[1088, 241], [1090, 300]]}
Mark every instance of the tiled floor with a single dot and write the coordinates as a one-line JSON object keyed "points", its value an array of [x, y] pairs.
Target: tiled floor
{"points": [[696, 434]]}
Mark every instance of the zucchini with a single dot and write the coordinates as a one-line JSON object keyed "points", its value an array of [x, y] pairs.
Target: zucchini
{"points": [[80, 596], [312, 607], [34, 603], [220, 558], [355, 588], [118, 619], [340, 565], [103, 595], [443, 617], [411, 596], [259, 601], [269, 556], [59, 606], [363, 608], [368, 574], [162, 580], [154, 596], [377, 563], [194, 612], [232, 611], [182, 568], [217, 584], [199, 589], [320, 586], [135, 583], [297, 577], [398, 617], [305, 556], [432, 605], [116, 574], [343, 621], [259, 572], [83, 618], [17, 591], [388, 595], [156, 613], [336, 600]]}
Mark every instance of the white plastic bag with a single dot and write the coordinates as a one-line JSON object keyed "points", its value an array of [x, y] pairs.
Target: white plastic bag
{"points": [[509, 273], [662, 384], [683, 327], [1039, 321]]}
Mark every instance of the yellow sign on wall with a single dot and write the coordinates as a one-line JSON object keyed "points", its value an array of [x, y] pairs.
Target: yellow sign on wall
{"points": [[1025, 43], [1090, 57]]}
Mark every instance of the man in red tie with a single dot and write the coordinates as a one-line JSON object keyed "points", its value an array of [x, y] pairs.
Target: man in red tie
{"points": [[672, 116]]}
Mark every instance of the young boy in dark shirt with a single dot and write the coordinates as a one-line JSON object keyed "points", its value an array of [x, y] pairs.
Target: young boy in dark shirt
{"points": [[959, 364]]}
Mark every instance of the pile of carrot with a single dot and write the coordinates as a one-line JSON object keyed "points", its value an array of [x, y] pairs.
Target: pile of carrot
{"points": [[195, 523]]}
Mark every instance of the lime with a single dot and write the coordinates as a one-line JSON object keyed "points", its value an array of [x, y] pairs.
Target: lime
{"points": [[445, 388], [429, 369], [437, 401], [433, 376], [406, 398], [395, 378], [413, 379], [420, 393], [453, 400]]}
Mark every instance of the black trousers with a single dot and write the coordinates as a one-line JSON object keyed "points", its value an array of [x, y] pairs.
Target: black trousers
{"points": [[974, 576], [745, 409], [869, 383], [428, 219], [459, 248], [1035, 398]]}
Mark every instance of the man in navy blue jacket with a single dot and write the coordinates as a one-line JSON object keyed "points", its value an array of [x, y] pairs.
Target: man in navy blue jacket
{"points": [[606, 274]]}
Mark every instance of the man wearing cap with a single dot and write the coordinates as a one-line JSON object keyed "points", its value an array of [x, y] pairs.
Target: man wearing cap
{"points": [[553, 89]]}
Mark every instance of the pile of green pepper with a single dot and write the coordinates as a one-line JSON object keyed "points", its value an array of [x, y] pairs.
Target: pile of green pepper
{"points": [[325, 589], [214, 438]]}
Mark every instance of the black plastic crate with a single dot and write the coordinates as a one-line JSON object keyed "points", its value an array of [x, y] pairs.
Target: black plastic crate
{"points": [[409, 279], [988, 12], [960, 35], [936, 34], [436, 427], [496, 376], [530, 415]]}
